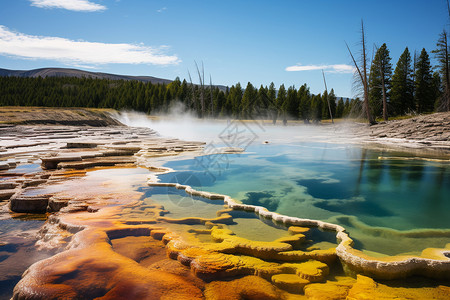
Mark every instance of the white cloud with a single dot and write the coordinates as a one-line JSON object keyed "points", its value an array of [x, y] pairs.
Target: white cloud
{"points": [[79, 52], [327, 68], [162, 9], [76, 5]]}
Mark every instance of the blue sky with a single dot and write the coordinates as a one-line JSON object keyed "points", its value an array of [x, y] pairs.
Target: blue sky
{"points": [[238, 41]]}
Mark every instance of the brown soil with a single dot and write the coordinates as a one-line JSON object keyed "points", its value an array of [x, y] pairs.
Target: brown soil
{"points": [[59, 116]]}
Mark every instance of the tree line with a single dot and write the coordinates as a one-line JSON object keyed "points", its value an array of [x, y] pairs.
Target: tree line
{"points": [[266, 102], [412, 88]]}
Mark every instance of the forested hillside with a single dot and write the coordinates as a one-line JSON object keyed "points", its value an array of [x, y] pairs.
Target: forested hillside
{"points": [[265, 102]]}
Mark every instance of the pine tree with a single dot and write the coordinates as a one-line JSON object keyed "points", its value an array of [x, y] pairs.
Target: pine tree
{"points": [[220, 103], [304, 106], [174, 87], [261, 107], [331, 97], [442, 54], [183, 92], [346, 112], [291, 104], [235, 97], [437, 91], [316, 108], [380, 82], [167, 100], [424, 84], [402, 91], [248, 101], [324, 105], [281, 98], [227, 109], [340, 108], [272, 105]]}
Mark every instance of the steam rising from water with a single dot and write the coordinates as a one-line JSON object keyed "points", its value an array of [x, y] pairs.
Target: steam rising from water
{"points": [[177, 123], [184, 125]]}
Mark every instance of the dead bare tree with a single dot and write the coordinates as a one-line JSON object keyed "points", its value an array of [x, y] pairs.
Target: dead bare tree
{"points": [[362, 73], [448, 9], [201, 78], [414, 76], [200, 104], [211, 95], [328, 99], [194, 102], [447, 71]]}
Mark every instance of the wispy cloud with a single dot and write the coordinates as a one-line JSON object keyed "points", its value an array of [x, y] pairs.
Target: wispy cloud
{"points": [[162, 9], [80, 52], [75, 5], [327, 68]]}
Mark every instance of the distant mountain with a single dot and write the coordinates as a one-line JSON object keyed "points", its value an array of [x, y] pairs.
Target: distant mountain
{"points": [[63, 72]]}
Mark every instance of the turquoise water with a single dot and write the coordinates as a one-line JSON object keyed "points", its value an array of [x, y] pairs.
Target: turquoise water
{"points": [[179, 204], [361, 189]]}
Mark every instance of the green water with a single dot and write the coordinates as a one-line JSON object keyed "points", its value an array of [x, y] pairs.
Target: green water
{"points": [[399, 204], [179, 204]]}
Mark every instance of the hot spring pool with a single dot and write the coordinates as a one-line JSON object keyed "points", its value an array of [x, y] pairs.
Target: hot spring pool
{"points": [[390, 203]]}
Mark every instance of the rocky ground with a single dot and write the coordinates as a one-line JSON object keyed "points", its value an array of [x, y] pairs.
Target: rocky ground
{"points": [[36, 159], [73, 147], [430, 132]]}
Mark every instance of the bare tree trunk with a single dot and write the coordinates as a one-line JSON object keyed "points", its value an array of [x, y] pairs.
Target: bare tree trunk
{"points": [[328, 101], [203, 91], [447, 74], [211, 96], [448, 9], [363, 75], [414, 80], [202, 85], [365, 82]]}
